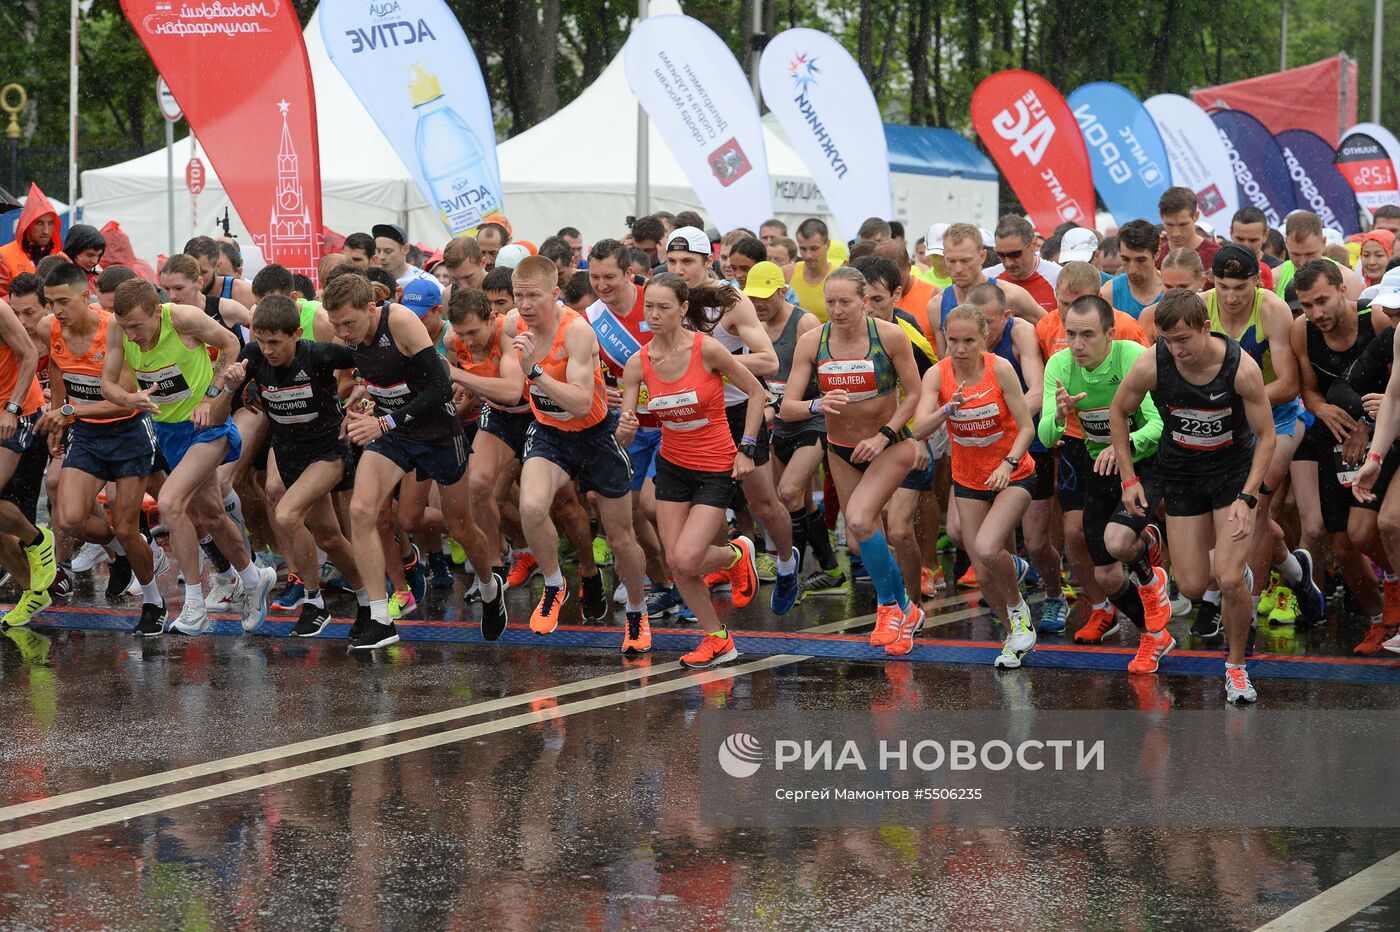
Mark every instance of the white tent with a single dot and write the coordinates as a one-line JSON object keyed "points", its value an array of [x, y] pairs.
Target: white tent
{"points": [[577, 167]]}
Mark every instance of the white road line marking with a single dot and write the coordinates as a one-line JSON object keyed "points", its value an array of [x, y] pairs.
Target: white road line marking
{"points": [[1337, 904], [255, 758], [326, 765]]}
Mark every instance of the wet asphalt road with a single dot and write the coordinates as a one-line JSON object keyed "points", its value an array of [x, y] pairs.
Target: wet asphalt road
{"points": [[542, 807]]}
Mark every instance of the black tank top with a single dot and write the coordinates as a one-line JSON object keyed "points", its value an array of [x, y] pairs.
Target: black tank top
{"points": [[393, 383], [301, 399], [1204, 428], [1329, 364]]}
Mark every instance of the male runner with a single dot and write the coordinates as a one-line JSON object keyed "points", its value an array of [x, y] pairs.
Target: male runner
{"points": [[1305, 241], [105, 443], [464, 263], [1083, 380], [391, 246], [206, 252], [1249, 228], [1216, 442], [296, 381], [1139, 285], [809, 275], [414, 428], [1020, 262], [966, 257], [572, 438], [1180, 214], [1329, 336], [165, 348], [359, 250]]}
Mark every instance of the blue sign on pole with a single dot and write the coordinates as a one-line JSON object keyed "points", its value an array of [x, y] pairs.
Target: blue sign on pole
{"points": [[1126, 152]]}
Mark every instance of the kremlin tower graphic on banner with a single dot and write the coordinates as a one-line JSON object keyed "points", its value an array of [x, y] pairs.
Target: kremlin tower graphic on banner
{"points": [[290, 240]]}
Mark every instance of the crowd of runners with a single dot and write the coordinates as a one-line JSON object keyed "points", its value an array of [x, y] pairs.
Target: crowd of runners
{"points": [[1158, 423]]}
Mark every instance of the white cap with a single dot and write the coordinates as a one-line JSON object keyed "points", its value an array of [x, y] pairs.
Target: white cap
{"points": [[1333, 237], [1206, 229], [933, 242], [511, 255], [691, 239], [1387, 293], [988, 240], [1078, 245]]}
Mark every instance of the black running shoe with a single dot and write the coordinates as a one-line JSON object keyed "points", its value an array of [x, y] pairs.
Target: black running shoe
{"points": [[375, 636], [152, 623], [1207, 623], [118, 577], [62, 585], [361, 622], [493, 613], [594, 603], [441, 569], [1249, 644], [312, 622]]}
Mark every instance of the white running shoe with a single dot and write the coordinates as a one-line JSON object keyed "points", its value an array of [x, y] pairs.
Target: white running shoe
{"points": [[1020, 641], [254, 602], [1392, 645], [1238, 688], [194, 619], [222, 594], [620, 593], [88, 556], [159, 558]]}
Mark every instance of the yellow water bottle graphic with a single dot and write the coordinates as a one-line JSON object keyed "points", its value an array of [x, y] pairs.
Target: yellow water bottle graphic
{"points": [[450, 156]]}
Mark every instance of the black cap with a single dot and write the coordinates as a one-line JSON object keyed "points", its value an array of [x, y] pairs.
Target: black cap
{"points": [[1234, 261], [390, 231]]}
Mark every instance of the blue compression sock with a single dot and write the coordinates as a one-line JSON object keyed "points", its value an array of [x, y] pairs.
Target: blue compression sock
{"points": [[884, 571]]}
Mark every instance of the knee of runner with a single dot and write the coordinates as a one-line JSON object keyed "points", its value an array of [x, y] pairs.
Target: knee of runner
{"points": [[1229, 578], [1388, 522], [986, 552], [793, 496], [363, 512], [1109, 577], [287, 517], [533, 510], [860, 526]]}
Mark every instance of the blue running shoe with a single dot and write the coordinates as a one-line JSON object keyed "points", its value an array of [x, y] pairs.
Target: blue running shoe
{"points": [[292, 597], [786, 592], [1053, 616], [663, 602], [858, 572], [414, 575], [441, 568], [1310, 598]]}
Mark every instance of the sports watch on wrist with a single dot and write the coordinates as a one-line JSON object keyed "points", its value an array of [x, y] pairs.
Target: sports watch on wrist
{"points": [[1248, 499], [13, 408], [749, 449], [212, 392], [535, 371], [68, 411]]}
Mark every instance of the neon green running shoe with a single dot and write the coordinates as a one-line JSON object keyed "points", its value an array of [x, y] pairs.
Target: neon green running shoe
{"points": [[459, 556], [30, 603], [602, 553], [42, 566], [401, 604]]}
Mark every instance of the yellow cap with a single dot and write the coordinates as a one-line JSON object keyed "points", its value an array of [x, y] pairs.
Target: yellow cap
{"points": [[424, 86], [764, 279], [837, 253]]}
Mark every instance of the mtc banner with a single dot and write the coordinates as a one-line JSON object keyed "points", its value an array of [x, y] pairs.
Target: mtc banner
{"points": [[1260, 171], [413, 69], [1125, 150], [1368, 158], [1031, 134], [1317, 185], [691, 87], [821, 98], [242, 78]]}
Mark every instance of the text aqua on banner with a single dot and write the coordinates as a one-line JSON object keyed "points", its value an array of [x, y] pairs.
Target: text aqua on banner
{"points": [[242, 77], [696, 95], [819, 95], [1032, 136], [411, 66]]}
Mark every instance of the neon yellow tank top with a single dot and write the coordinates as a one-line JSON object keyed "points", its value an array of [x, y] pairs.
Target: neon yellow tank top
{"points": [[1252, 339], [177, 374], [810, 297]]}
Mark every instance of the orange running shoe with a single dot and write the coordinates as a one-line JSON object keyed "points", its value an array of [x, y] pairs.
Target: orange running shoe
{"points": [[1102, 622], [1376, 635], [716, 578], [1156, 607], [743, 575], [1151, 649], [911, 623], [522, 569], [888, 619], [636, 637], [713, 650], [968, 580], [1152, 537], [932, 581], [545, 618], [1390, 614]]}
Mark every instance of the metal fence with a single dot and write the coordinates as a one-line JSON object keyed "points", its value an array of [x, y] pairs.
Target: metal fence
{"points": [[47, 166]]}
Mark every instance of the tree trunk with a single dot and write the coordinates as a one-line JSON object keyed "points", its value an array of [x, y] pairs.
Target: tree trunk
{"points": [[1159, 71], [940, 98], [917, 54], [972, 38], [865, 41], [1025, 33]]}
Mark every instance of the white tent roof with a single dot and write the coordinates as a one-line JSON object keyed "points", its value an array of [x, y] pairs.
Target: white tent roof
{"points": [[553, 174]]}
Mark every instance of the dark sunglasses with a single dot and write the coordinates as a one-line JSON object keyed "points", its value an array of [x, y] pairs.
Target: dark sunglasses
{"points": [[1014, 254]]}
